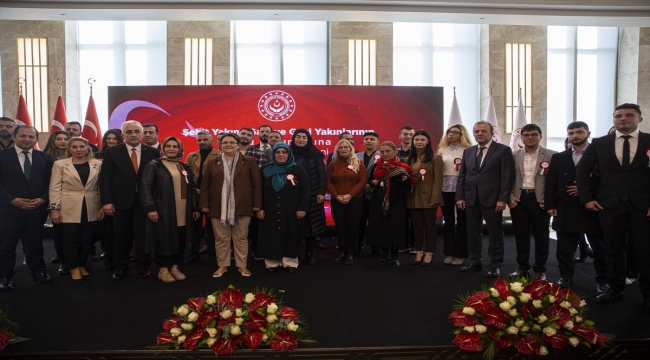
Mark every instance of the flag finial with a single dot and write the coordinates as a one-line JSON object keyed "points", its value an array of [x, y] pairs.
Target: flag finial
{"points": [[21, 81], [60, 82], [520, 92], [454, 90], [91, 81]]}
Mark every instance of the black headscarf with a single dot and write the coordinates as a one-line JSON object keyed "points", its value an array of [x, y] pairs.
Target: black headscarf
{"points": [[309, 150]]}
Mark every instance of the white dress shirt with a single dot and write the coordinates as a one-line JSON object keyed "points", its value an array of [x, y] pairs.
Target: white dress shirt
{"points": [[634, 143], [485, 151], [530, 167], [21, 156]]}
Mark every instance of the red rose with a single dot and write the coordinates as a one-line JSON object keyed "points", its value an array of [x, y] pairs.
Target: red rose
{"points": [[261, 301], [252, 339], [528, 345], [538, 289], [196, 303], [225, 346], [172, 323], [469, 342], [501, 341], [288, 313], [496, 317], [192, 338], [557, 341], [589, 333], [283, 340], [232, 298], [162, 339], [556, 310], [479, 301], [502, 287], [458, 318], [255, 321]]}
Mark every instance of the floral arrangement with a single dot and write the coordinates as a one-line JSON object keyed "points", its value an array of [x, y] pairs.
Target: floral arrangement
{"points": [[8, 330], [227, 319], [533, 317]]}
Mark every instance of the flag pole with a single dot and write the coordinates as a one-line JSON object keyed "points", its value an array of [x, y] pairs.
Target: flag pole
{"points": [[60, 82], [91, 85]]}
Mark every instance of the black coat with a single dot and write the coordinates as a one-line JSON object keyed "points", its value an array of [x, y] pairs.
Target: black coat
{"points": [[389, 230], [14, 184], [157, 194], [315, 168], [280, 231], [573, 217]]}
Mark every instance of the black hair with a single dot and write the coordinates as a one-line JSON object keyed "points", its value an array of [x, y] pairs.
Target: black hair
{"points": [[428, 150], [531, 127], [151, 125], [636, 107], [371, 133], [577, 124]]}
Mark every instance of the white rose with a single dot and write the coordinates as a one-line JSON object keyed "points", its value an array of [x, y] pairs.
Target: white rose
{"points": [[568, 324], [542, 318], [582, 303], [292, 326], [519, 323], [211, 341], [565, 304], [513, 312], [235, 330], [211, 331], [524, 297], [211, 300], [537, 304], [505, 306], [175, 331], [469, 329], [516, 287], [183, 310], [181, 339], [524, 328], [494, 292], [239, 321], [469, 311], [271, 318], [192, 316], [265, 337], [537, 327], [187, 326], [573, 311], [238, 312], [511, 300], [480, 329], [578, 319], [249, 298], [513, 330], [549, 331], [574, 341], [543, 351], [226, 314], [271, 308], [551, 299]]}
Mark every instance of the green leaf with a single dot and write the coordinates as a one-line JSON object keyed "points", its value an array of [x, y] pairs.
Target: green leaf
{"points": [[490, 351], [588, 322]]}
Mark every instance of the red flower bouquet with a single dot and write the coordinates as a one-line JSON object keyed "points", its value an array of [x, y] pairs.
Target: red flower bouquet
{"points": [[227, 319], [8, 331], [531, 317]]}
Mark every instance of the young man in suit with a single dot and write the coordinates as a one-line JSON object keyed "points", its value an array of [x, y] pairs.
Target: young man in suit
{"points": [[120, 181], [369, 157], [570, 218], [483, 190], [622, 200], [24, 187], [527, 202], [150, 135]]}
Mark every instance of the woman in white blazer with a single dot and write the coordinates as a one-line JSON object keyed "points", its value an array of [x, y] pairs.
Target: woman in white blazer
{"points": [[75, 204]]}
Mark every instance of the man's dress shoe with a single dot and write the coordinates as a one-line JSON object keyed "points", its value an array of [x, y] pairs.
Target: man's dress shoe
{"points": [[472, 267], [520, 274], [6, 284], [565, 282], [539, 275], [609, 296], [602, 288], [493, 273], [63, 270], [42, 278], [119, 274]]}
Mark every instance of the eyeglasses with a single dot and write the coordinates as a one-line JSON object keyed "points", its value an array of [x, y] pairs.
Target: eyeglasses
{"points": [[453, 132], [133, 132], [533, 135]]}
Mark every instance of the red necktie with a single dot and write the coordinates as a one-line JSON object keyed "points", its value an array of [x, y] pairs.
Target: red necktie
{"points": [[134, 160]]}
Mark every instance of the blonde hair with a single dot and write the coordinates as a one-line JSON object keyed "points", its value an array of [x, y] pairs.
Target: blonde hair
{"points": [[465, 140], [352, 159], [89, 154]]}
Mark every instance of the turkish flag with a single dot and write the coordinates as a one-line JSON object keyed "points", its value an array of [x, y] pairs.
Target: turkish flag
{"points": [[92, 132], [60, 119], [22, 115]]}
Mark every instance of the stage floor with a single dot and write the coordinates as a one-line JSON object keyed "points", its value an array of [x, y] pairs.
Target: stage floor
{"points": [[360, 305]]}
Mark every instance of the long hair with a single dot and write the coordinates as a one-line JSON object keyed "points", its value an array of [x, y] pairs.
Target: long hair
{"points": [[465, 140], [89, 154], [49, 147], [352, 159], [118, 136], [428, 151]]}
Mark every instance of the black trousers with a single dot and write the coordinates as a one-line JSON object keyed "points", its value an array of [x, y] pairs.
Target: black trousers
{"points": [[363, 221], [106, 237], [77, 238], [454, 228], [198, 235], [128, 226], [621, 224], [565, 253], [168, 261], [494, 221], [525, 216], [57, 235], [346, 220], [423, 222], [252, 234], [28, 226], [389, 253]]}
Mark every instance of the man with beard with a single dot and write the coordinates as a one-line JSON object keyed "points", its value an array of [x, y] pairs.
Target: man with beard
{"points": [[246, 136], [73, 129], [570, 218], [274, 138], [150, 135], [197, 161], [263, 133], [406, 139], [7, 127]]}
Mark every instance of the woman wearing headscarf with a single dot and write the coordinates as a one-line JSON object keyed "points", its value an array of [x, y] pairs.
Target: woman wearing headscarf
{"points": [[169, 198], [391, 183], [231, 192], [346, 178], [311, 159], [285, 200]]}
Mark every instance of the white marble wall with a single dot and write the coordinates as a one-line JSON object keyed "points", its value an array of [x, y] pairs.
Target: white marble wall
{"points": [[493, 66], [341, 31], [177, 31], [633, 78]]}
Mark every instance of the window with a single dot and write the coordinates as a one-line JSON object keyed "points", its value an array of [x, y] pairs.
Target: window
{"points": [[362, 62], [118, 53], [519, 80], [444, 55], [32, 67], [198, 61], [280, 52]]}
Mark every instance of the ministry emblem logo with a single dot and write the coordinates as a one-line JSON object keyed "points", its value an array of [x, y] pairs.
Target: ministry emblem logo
{"points": [[276, 105]]}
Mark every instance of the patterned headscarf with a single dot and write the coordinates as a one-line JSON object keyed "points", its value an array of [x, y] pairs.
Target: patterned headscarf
{"points": [[178, 156]]}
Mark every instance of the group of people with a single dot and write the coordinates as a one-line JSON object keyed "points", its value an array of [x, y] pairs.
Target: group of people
{"points": [[141, 199]]}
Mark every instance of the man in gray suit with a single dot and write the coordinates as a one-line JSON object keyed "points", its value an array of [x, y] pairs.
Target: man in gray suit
{"points": [[527, 202], [369, 157], [483, 190]]}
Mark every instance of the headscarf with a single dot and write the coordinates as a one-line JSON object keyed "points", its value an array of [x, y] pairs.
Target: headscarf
{"points": [[178, 156], [387, 169], [309, 150], [277, 172]]}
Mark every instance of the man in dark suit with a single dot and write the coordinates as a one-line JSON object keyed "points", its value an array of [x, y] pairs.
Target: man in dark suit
{"points": [[150, 135], [483, 190], [570, 218], [622, 200], [120, 181], [369, 158], [24, 187]]}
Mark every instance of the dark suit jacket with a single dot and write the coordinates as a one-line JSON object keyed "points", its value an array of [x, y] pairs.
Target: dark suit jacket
{"points": [[14, 184], [118, 180], [613, 177], [491, 183], [573, 217]]}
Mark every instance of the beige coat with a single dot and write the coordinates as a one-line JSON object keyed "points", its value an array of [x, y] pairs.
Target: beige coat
{"points": [[428, 190], [67, 190], [194, 161]]}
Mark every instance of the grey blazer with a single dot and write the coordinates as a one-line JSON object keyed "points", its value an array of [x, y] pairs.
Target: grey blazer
{"points": [[539, 181], [370, 165]]}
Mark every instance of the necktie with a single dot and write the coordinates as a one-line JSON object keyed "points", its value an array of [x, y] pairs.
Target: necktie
{"points": [[27, 165], [479, 157], [134, 160], [626, 150]]}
